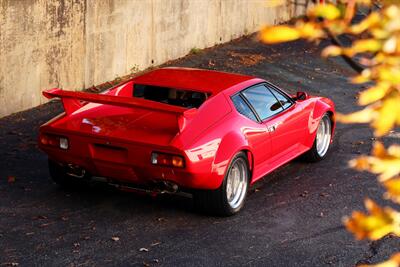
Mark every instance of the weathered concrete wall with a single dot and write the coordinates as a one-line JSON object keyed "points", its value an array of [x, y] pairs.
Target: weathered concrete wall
{"points": [[78, 43]]}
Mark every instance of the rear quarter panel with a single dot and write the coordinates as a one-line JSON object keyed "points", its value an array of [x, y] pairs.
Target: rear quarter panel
{"points": [[215, 136]]}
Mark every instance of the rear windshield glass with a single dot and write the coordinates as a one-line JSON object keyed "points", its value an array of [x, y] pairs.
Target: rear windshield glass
{"points": [[171, 96]]}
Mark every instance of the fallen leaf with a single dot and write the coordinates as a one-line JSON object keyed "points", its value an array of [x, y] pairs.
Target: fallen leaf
{"points": [[155, 244], [115, 238], [144, 250], [11, 179], [304, 194]]}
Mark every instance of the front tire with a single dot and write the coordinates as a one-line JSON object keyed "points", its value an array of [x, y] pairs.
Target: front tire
{"points": [[322, 140], [229, 198]]}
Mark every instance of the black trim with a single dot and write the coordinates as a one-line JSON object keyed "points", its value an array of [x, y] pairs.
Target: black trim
{"points": [[274, 87], [248, 104], [266, 88]]}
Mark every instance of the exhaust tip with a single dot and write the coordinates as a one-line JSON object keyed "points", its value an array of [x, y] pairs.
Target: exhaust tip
{"points": [[75, 171]]}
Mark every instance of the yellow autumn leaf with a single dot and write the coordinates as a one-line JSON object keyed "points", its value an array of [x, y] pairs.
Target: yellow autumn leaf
{"points": [[363, 116], [374, 93], [393, 189], [394, 150], [392, 12], [394, 261], [386, 168], [387, 115], [364, 77], [366, 45], [380, 33], [375, 224], [390, 74], [331, 51], [335, 27], [327, 11], [370, 21], [360, 163], [379, 150], [310, 30], [279, 34], [389, 60], [391, 45], [385, 163]]}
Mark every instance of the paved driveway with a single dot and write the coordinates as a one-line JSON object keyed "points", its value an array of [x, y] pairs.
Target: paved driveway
{"points": [[292, 217]]}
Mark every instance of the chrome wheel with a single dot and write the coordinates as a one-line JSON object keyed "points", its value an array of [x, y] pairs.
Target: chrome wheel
{"points": [[236, 183], [323, 138]]}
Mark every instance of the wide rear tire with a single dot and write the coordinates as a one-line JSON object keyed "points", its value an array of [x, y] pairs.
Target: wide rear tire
{"points": [[229, 198]]}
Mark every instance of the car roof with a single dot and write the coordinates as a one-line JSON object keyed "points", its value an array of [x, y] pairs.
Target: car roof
{"points": [[191, 79]]}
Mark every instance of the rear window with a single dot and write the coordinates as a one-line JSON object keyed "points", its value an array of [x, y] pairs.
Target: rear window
{"points": [[171, 96]]}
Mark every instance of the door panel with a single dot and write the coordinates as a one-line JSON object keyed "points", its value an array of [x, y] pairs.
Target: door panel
{"points": [[256, 133], [286, 133]]}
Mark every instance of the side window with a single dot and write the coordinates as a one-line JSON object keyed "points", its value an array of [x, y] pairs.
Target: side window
{"points": [[263, 101], [285, 102], [243, 108]]}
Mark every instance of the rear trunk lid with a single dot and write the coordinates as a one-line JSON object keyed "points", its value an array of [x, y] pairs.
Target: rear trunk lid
{"points": [[128, 124]]}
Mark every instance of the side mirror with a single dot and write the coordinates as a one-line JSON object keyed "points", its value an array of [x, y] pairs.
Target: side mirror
{"points": [[301, 96]]}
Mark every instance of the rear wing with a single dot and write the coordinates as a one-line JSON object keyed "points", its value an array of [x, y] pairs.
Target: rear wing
{"points": [[72, 101]]}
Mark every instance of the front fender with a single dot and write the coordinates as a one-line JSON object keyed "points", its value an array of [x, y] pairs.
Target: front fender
{"points": [[321, 106]]}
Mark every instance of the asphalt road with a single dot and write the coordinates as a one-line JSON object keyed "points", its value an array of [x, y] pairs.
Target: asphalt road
{"points": [[291, 218]]}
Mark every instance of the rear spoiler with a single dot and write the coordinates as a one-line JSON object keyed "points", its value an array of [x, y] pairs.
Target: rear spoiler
{"points": [[75, 100]]}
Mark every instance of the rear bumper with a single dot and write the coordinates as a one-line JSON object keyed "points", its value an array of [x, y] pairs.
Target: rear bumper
{"points": [[131, 164]]}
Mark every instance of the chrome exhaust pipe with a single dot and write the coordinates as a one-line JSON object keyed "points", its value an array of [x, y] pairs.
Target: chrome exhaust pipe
{"points": [[75, 171], [170, 188]]}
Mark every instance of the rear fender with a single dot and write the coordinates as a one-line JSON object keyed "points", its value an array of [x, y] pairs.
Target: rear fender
{"points": [[230, 145]]}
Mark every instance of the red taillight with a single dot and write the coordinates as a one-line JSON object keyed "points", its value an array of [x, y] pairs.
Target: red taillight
{"points": [[165, 159], [54, 141]]}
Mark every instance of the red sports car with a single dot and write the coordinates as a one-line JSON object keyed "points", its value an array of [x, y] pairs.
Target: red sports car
{"points": [[178, 129]]}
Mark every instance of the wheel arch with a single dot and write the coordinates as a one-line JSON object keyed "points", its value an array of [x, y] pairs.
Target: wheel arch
{"points": [[325, 106], [227, 151]]}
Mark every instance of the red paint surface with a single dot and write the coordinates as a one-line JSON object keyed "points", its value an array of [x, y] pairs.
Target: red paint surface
{"points": [[114, 135]]}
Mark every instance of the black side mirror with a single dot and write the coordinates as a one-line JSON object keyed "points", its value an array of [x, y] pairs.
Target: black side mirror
{"points": [[300, 96]]}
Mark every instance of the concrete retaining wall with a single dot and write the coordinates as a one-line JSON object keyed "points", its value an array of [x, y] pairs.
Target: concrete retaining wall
{"points": [[75, 44]]}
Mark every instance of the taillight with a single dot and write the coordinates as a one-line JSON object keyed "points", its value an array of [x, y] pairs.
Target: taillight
{"points": [[54, 141], [164, 159]]}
